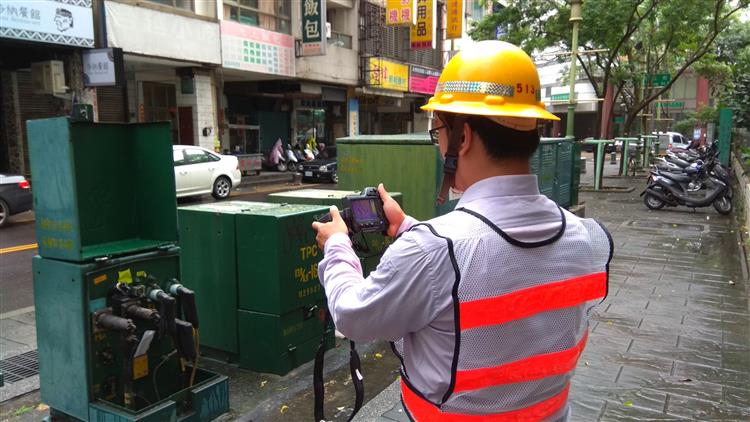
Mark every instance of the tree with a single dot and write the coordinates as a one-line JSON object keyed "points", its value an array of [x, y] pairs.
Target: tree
{"points": [[728, 69], [641, 37]]}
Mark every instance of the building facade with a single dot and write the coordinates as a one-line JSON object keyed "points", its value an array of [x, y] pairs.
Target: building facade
{"points": [[229, 75]]}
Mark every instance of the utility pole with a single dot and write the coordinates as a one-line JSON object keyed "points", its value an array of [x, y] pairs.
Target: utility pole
{"points": [[575, 18]]}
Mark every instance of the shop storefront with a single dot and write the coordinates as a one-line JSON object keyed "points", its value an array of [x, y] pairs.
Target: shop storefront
{"points": [[383, 106], [170, 80], [41, 68]]}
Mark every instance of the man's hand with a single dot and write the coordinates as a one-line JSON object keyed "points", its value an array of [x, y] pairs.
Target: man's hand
{"points": [[326, 230], [392, 211]]}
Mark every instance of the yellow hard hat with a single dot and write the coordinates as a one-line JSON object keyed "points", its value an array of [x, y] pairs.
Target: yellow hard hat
{"points": [[490, 78]]}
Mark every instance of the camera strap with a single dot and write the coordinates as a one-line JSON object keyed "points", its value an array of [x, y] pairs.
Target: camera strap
{"points": [[355, 368], [451, 157]]}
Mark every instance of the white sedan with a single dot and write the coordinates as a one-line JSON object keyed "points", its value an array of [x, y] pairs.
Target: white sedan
{"points": [[198, 171]]}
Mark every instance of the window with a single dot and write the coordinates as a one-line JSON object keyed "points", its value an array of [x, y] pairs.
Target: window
{"points": [[196, 156], [179, 158], [274, 15], [180, 4]]}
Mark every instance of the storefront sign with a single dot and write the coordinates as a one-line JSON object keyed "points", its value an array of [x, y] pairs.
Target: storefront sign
{"points": [[68, 22], [250, 48], [313, 27], [149, 32], [386, 74], [353, 116], [454, 10], [423, 33], [103, 67], [400, 12], [423, 79]]}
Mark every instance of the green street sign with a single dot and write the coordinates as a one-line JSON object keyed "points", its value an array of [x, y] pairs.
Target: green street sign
{"points": [[619, 119], [672, 104], [560, 97], [658, 80]]}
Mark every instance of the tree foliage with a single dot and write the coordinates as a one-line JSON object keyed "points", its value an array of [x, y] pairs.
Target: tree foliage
{"points": [[728, 69], [641, 37]]}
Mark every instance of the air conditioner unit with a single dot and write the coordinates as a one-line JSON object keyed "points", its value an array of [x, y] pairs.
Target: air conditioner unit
{"points": [[48, 77]]}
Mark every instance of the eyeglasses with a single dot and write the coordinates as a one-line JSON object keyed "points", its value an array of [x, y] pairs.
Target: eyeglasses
{"points": [[435, 134]]}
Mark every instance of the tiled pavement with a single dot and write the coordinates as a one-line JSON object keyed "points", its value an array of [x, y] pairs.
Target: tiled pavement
{"points": [[672, 340]]}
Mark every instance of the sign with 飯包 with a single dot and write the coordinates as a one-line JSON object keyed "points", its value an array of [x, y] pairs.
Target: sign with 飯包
{"points": [[387, 74], [400, 12], [423, 79], [423, 32], [103, 67], [454, 11], [313, 27], [67, 22]]}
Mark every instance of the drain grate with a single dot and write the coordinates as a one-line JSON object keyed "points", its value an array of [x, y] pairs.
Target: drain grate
{"points": [[20, 367]]}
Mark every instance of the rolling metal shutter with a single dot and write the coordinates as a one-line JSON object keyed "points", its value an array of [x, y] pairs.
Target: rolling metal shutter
{"points": [[111, 103]]}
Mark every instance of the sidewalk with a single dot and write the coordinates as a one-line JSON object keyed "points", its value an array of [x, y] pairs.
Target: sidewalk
{"points": [[672, 340], [17, 353]]}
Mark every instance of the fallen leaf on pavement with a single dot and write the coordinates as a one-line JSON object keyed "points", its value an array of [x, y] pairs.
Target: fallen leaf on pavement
{"points": [[378, 356], [42, 407], [263, 383], [628, 403], [284, 408]]}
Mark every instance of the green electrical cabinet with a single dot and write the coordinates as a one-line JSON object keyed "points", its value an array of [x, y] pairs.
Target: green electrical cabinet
{"points": [[373, 245], [106, 226], [78, 365], [101, 189], [555, 162], [254, 268], [411, 164], [406, 163]]}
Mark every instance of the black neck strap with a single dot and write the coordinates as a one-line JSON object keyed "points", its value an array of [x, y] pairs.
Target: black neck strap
{"points": [[516, 242], [355, 369]]}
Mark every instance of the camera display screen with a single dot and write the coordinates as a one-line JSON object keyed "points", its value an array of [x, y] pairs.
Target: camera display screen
{"points": [[364, 210]]}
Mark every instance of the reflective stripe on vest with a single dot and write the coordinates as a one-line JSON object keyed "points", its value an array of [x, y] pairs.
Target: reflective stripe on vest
{"points": [[524, 303], [528, 369], [422, 410]]}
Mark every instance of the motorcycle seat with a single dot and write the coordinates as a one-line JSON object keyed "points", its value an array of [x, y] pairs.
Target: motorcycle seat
{"points": [[679, 162], [679, 178]]}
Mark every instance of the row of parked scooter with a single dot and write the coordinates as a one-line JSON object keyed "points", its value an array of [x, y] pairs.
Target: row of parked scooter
{"points": [[690, 178], [292, 158]]}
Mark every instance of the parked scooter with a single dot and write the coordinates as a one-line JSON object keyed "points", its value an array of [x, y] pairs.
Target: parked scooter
{"points": [[669, 189], [692, 170], [293, 164], [276, 157]]}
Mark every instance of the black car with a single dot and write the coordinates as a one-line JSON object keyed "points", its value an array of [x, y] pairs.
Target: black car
{"points": [[15, 196], [320, 170]]}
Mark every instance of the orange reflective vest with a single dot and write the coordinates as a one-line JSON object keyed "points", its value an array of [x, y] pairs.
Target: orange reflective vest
{"points": [[518, 338]]}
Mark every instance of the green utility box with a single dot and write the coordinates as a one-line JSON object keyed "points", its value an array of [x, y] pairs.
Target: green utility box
{"points": [[372, 245], [116, 341], [406, 163], [279, 343], [81, 366], [411, 164], [251, 259], [557, 168], [101, 189]]}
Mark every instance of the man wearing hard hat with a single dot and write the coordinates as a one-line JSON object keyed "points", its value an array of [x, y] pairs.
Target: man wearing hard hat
{"points": [[488, 305]]}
